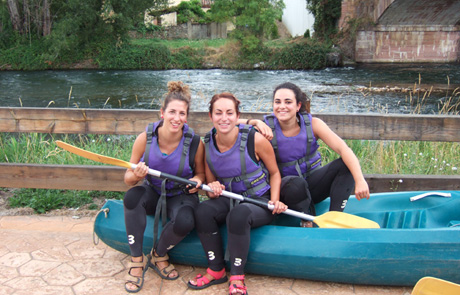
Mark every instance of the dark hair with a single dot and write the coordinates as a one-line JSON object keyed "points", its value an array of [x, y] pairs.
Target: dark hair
{"points": [[227, 95], [177, 91], [300, 96]]}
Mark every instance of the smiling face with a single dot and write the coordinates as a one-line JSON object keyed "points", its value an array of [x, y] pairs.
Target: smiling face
{"points": [[285, 105], [224, 115], [175, 115]]}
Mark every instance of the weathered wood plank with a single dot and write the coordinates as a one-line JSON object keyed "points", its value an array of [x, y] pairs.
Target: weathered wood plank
{"points": [[348, 126], [108, 178], [395, 127], [96, 121], [400, 182], [72, 177]]}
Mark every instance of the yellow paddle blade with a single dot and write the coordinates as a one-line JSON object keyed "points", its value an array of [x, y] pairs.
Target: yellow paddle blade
{"points": [[335, 219], [92, 156], [434, 286]]}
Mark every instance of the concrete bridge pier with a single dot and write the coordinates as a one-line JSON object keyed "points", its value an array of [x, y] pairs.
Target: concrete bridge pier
{"points": [[406, 30]]}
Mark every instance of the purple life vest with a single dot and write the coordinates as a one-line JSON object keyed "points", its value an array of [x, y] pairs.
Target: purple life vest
{"points": [[234, 168], [296, 155], [176, 163]]}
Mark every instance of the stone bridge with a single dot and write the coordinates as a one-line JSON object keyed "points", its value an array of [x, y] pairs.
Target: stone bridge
{"points": [[405, 30]]}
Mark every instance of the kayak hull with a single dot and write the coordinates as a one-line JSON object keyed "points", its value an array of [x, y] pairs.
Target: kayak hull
{"points": [[417, 239]]}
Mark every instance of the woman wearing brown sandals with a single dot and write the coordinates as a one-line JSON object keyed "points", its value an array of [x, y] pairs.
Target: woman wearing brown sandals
{"points": [[171, 146]]}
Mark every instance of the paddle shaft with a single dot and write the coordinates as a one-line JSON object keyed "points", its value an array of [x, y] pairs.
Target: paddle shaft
{"points": [[331, 219], [227, 194]]}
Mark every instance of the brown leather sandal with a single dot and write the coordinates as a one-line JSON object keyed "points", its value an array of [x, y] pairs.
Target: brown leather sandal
{"points": [[165, 272], [136, 281]]}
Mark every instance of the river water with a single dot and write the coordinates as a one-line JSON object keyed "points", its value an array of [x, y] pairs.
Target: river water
{"points": [[332, 90]]}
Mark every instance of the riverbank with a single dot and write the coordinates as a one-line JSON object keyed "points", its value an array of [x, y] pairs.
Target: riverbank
{"points": [[142, 53]]}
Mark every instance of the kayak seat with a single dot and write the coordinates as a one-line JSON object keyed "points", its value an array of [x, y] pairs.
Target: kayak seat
{"points": [[398, 212], [405, 219], [397, 219]]}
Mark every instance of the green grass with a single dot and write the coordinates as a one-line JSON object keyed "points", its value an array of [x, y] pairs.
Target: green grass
{"points": [[376, 156], [402, 157], [39, 148], [277, 43], [42, 200]]}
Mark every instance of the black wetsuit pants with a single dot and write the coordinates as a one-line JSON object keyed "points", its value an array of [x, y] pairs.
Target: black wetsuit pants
{"points": [[141, 201], [212, 213], [333, 180]]}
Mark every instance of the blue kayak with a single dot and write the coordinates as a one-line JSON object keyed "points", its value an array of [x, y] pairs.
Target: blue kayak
{"points": [[417, 238]]}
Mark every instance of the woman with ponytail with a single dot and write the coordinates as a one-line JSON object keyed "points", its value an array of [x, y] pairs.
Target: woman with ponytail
{"points": [[171, 146]]}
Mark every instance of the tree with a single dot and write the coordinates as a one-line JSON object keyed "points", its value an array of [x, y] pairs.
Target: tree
{"points": [[72, 26], [327, 14], [46, 17], [14, 15], [254, 19]]}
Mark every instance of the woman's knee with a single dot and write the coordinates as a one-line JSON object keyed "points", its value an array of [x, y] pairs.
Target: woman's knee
{"points": [[204, 217], [238, 220], [185, 221], [133, 196], [294, 189]]}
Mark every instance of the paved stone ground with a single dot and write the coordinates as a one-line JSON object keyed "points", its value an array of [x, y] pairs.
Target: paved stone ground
{"points": [[56, 255]]}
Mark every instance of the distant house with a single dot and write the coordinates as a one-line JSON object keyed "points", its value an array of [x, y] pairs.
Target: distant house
{"points": [[296, 18]]}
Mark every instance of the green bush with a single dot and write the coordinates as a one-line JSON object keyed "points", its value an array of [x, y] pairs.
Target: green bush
{"points": [[191, 11], [301, 56], [154, 57], [26, 57], [187, 58], [144, 28]]}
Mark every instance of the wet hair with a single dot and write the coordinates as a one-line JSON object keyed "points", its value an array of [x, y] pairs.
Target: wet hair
{"points": [[227, 95], [300, 96], [177, 91]]}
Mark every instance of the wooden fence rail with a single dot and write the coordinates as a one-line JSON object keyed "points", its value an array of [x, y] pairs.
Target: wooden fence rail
{"points": [[97, 121]]}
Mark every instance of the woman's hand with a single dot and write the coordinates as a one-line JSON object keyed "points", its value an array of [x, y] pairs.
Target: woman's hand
{"points": [[280, 207], [141, 170], [195, 189], [217, 189], [362, 190], [263, 128]]}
